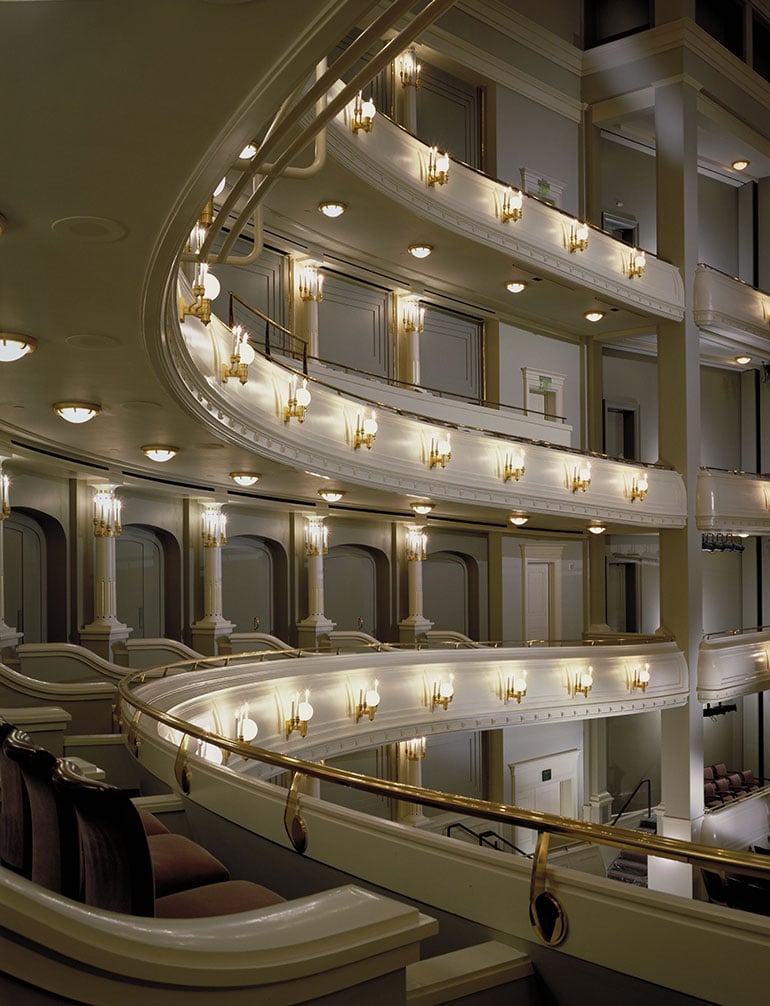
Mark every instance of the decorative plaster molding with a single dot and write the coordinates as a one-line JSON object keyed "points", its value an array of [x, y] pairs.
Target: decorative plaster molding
{"points": [[732, 666], [732, 501]]}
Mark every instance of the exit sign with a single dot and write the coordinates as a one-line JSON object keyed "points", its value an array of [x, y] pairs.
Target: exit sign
{"points": [[545, 775]]}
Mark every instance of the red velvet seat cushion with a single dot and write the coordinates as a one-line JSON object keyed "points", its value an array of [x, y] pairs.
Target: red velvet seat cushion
{"points": [[178, 863], [219, 899]]}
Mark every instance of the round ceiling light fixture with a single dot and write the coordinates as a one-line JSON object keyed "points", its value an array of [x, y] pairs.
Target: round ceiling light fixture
{"points": [[743, 360], [420, 251], [248, 152], [159, 453], [13, 347], [422, 509], [220, 188], [332, 209], [597, 528], [76, 412], [245, 479], [515, 286], [518, 519], [331, 495], [593, 316], [740, 165]]}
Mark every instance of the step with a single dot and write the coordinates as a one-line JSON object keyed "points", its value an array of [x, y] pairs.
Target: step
{"points": [[464, 972]]}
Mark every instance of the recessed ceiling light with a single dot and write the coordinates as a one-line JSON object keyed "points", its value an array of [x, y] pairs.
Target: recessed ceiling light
{"points": [[420, 251], [593, 315], [518, 519], [332, 209], [245, 478], [597, 528], [159, 453], [77, 412], [13, 347], [422, 508], [515, 286], [248, 152], [220, 188], [743, 360], [740, 165], [331, 495]]}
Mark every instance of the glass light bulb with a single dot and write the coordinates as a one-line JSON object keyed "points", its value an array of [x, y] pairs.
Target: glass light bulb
{"points": [[246, 351], [644, 674], [211, 286], [249, 729], [370, 426], [372, 697], [446, 689], [302, 395], [218, 190], [305, 711]]}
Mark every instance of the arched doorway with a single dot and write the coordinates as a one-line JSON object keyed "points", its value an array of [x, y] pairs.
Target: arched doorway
{"points": [[451, 592], [356, 589], [254, 585], [140, 574], [35, 571]]}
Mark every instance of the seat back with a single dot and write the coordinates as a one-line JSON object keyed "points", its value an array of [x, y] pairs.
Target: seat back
{"points": [[720, 770], [116, 866], [15, 828], [53, 824]]}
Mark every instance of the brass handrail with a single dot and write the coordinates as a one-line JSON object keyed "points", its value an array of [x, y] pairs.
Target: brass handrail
{"points": [[674, 849]]}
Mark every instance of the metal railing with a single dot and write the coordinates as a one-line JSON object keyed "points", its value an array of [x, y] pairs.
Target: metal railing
{"points": [[642, 782], [546, 913]]}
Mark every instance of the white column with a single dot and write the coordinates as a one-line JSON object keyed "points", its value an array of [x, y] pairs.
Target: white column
{"points": [[415, 624], [316, 625], [105, 630], [599, 804], [213, 625], [9, 637], [410, 756]]}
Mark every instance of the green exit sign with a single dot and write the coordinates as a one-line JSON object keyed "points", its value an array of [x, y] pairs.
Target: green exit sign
{"points": [[545, 775]]}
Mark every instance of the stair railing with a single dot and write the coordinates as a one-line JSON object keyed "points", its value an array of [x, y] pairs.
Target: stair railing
{"points": [[642, 782]]}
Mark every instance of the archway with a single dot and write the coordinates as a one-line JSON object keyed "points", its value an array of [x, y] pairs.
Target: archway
{"points": [[451, 592], [36, 580], [254, 585], [356, 589]]}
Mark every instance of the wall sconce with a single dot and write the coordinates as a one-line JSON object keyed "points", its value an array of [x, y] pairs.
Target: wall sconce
{"points": [[414, 316], [311, 283], [366, 430], [581, 682], [512, 205], [635, 264], [245, 727], [107, 509], [13, 347], [213, 526], [301, 714], [438, 167], [200, 306], [637, 490], [577, 238], [440, 451], [299, 400], [5, 497], [416, 543], [581, 477], [368, 702], [76, 412], [363, 114], [409, 69], [640, 677], [514, 465], [245, 479], [316, 536], [241, 356], [414, 748], [443, 693], [516, 686]]}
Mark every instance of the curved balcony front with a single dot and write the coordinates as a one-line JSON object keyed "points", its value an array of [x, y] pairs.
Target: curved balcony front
{"points": [[733, 664], [733, 502], [732, 310]]}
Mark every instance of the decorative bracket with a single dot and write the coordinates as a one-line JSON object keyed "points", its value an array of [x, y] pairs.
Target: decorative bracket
{"points": [[293, 821], [181, 768], [131, 739], [545, 911]]}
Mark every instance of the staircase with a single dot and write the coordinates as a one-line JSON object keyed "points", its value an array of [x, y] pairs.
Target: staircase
{"points": [[631, 867]]}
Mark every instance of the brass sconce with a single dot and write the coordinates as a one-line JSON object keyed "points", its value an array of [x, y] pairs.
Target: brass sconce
{"points": [[512, 205], [577, 239], [516, 686], [637, 490], [363, 114], [438, 167], [245, 727], [409, 69], [440, 451], [581, 682], [107, 509], [366, 431], [414, 315], [241, 356], [640, 677], [581, 477], [514, 465], [301, 714], [200, 306], [414, 748], [635, 264], [443, 693], [299, 400], [368, 702], [311, 283]]}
